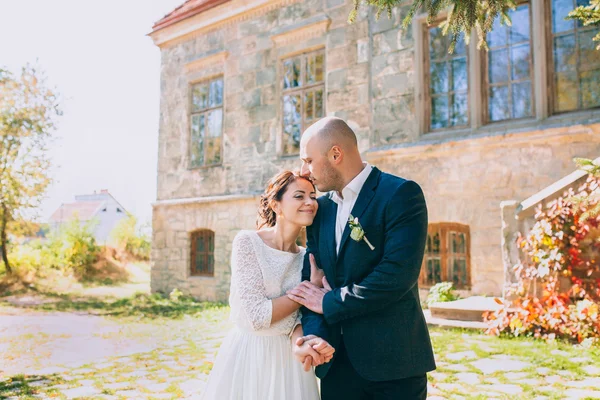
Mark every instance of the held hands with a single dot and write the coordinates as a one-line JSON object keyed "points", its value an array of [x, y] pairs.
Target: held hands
{"points": [[312, 351], [309, 294]]}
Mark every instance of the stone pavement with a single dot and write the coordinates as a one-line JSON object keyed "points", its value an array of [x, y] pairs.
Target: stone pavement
{"points": [[69, 356]]}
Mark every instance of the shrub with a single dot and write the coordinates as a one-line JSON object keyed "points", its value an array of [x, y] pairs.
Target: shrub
{"points": [[79, 249], [72, 248], [559, 280], [126, 237], [441, 292]]}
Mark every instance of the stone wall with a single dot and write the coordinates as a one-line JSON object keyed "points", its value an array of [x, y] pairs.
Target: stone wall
{"points": [[172, 226], [370, 82], [465, 181], [252, 105]]}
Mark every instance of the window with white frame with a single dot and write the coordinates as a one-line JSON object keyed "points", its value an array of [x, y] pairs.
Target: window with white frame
{"points": [[575, 61], [206, 123], [508, 81], [532, 70], [448, 81], [303, 84]]}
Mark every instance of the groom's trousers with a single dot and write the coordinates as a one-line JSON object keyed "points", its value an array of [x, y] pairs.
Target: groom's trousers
{"points": [[344, 383]]}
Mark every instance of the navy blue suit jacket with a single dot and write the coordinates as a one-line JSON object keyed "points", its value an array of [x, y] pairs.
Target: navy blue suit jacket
{"points": [[375, 298]]}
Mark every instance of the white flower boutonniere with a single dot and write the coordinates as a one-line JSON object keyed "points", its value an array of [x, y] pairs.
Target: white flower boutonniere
{"points": [[357, 232]]}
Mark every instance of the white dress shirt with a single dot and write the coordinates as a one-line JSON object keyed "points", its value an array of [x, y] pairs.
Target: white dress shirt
{"points": [[346, 202]]}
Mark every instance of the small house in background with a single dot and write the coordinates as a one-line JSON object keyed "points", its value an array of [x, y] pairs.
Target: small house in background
{"points": [[101, 207]]}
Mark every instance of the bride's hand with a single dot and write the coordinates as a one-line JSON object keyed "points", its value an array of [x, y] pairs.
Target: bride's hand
{"points": [[316, 274], [321, 346], [305, 354]]}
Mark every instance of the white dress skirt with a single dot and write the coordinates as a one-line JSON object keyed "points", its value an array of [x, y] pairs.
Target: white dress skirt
{"points": [[255, 360]]}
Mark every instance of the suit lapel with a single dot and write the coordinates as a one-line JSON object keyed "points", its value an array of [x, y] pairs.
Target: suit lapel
{"points": [[364, 198], [328, 234]]}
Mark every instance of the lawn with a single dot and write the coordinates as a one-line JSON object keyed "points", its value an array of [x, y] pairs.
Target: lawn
{"points": [[186, 334]]}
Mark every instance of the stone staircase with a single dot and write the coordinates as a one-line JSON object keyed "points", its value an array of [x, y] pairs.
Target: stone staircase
{"points": [[463, 313]]}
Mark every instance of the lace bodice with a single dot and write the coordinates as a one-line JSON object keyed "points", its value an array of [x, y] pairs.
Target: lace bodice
{"points": [[260, 273]]}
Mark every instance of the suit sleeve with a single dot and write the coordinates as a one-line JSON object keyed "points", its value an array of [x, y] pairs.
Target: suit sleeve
{"points": [[398, 271], [312, 323]]}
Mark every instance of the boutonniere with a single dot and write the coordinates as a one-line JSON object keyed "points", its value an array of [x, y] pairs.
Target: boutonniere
{"points": [[357, 232]]}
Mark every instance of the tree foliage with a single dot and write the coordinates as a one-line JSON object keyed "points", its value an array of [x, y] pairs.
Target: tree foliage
{"points": [[28, 111], [465, 15], [127, 237], [589, 15]]}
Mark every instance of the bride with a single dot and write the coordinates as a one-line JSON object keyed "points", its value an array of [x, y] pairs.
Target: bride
{"points": [[255, 361]]}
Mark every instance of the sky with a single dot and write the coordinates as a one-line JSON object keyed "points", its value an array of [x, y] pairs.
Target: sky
{"points": [[107, 70]]}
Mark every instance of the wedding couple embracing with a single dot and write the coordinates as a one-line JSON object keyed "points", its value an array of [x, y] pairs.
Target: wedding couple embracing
{"points": [[348, 304]]}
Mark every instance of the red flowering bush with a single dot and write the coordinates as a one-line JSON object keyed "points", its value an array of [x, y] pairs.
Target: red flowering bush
{"points": [[558, 294]]}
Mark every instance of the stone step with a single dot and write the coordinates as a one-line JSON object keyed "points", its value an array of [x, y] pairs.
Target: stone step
{"points": [[469, 309], [452, 323]]}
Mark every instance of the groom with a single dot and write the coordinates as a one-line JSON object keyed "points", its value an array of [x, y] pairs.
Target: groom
{"points": [[369, 310]]}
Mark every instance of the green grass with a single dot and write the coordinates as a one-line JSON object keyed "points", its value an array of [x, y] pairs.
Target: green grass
{"points": [[24, 386], [140, 305], [187, 359], [538, 353]]}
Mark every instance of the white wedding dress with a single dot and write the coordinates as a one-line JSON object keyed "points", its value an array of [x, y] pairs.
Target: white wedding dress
{"points": [[255, 360]]}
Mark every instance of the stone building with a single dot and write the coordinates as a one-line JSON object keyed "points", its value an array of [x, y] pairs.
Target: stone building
{"points": [[242, 79]]}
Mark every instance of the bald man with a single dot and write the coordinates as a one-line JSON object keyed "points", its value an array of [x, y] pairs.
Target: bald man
{"points": [[369, 308]]}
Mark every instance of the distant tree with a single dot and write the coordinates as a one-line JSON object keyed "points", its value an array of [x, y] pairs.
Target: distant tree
{"points": [[127, 236], [28, 112], [24, 228]]}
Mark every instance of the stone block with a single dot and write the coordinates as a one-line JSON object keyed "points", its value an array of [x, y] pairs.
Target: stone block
{"points": [[341, 57], [381, 24], [341, 99], [266, 76], [174, 254], [159, 241], [385, 42], [249, 80], [251, 62], [337, 80], [394, 109], [234, 84], [362, 50], [393, 86], [269, 96], [357, 74], [292, 14], [336, 38], [262, 113], [334, 3], [251, 99]]}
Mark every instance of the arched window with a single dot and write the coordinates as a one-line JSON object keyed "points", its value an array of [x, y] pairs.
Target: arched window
{"points": [[202, 260], [447, 255]]}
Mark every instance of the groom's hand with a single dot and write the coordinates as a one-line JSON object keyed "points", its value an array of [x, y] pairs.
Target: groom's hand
{"points": [[309, 295]]}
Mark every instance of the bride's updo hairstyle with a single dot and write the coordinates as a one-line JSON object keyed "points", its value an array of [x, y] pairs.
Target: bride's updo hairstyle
{"points": [[276, 188]]}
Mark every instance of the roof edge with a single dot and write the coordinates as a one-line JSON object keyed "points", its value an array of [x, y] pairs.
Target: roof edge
{"points": [[169, 19]]}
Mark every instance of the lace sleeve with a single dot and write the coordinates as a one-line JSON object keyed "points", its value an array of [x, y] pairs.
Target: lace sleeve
{"points": [[297, 321], [250, 284]]}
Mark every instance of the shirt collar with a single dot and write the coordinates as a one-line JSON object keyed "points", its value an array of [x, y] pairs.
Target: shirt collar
{"points": [[354, 186]]}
